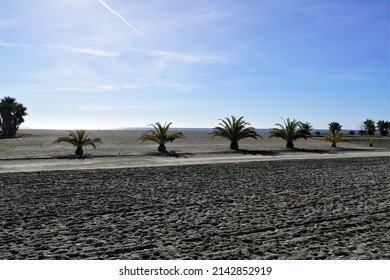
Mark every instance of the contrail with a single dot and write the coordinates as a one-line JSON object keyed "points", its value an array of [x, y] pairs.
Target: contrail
{"points": [[129, 25]]}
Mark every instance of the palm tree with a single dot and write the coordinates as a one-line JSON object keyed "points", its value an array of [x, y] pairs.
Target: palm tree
{"points": [[79, 139], [335, 137], [369, 126], [160, 136], [290, 131], [334, 126], [234, 130], [11, 116], [383, 127], [306, 126]]}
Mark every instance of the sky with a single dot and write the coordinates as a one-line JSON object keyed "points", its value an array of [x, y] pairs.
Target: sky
{"points": [[108, 64]]}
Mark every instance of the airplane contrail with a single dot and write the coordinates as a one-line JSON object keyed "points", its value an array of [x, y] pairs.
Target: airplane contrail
{"points": [[129, 25]]}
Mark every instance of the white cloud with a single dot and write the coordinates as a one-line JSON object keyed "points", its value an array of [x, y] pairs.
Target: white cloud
{"points": [[15, 45], [185, 57], [89, 51], [192, 57], [97, 52], [116, 108]]}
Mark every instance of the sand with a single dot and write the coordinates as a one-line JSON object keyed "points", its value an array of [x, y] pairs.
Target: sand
{"points": [[120, 149], [201, 202]]}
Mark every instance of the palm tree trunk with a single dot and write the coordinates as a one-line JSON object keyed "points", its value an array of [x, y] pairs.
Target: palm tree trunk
{"points": [[162, 148], [79, 151], [333, 144], [234, 145], [6, 127], [290, 145]]}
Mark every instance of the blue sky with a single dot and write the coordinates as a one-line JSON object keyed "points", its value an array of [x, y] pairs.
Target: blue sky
{"points": [[125, 63]]}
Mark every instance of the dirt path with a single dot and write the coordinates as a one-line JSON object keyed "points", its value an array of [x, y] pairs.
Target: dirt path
{"points": [[42, 164]]}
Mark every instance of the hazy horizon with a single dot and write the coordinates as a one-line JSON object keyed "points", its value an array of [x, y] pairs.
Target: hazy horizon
{"points": [[172, 129]]}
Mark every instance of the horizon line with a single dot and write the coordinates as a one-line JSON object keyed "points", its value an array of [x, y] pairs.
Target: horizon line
{"points": [[171, 128]]}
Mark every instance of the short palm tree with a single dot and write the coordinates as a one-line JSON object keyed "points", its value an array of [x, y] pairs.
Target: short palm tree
{"points": [[290, 131], [335, 137], [160, 136], [79, 139], [234, 130]]}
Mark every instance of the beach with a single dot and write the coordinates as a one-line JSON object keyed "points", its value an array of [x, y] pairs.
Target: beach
{"points": [[200, 201], [35, 151]]}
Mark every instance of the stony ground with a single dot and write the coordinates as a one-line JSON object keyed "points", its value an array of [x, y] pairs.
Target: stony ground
{"points": [[301, 209]]}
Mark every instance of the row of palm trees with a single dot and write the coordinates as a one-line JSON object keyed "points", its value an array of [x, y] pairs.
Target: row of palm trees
{"points": [[233, 129]]}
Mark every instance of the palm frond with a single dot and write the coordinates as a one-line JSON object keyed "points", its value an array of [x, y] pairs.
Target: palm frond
{"points": [[335, 136], [278, 133], [174, 136], [91, 142], [66, 139], [148, 136]]}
